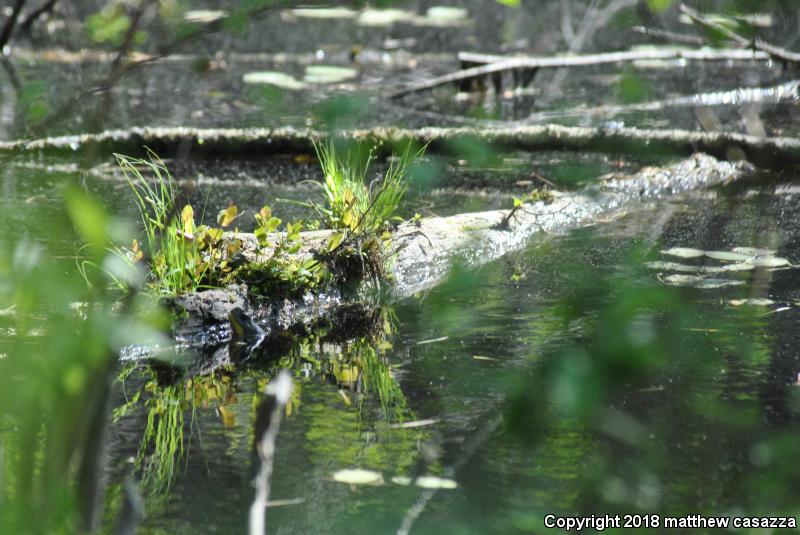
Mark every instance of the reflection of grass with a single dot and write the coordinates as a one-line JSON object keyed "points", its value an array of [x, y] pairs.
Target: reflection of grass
{"points": [[378, 379], [164, 430]]}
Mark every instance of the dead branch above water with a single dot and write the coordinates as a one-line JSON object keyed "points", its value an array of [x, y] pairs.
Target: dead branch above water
{"points": [[770, 152], [494, 64]]}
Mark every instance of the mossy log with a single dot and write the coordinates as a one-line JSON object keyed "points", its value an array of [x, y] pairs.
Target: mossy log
{"points": [[767, 152], [422, 254]]}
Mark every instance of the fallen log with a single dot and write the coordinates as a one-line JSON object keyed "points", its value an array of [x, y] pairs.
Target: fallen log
{"points": [[422, 254], [769, 152]]}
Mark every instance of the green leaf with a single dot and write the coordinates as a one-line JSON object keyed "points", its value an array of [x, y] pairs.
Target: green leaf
{"points": [[187, 220], [228, 215], [334, 241], [88, 217], [510, 3], [658, 6]]}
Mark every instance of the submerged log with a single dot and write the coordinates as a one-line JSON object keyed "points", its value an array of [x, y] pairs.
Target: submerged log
{"points": [[769, 152], [422, 255]]}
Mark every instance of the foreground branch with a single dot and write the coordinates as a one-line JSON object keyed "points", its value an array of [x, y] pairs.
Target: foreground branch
{"points": [[771, 152]]}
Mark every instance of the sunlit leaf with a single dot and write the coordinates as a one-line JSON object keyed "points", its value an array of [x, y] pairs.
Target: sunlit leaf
{"points": [[187, 220], [228, 216]]}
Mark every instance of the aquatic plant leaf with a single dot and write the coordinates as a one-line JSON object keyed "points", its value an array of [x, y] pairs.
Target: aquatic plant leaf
{"points": [[358, 476], [334, 241], [684, 252], [228, 216], [275, 78], [187, 220]]}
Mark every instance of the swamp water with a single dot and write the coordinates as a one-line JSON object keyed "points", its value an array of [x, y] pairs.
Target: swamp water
{"points": [[567, 378], [589, 373], [577, 375]]}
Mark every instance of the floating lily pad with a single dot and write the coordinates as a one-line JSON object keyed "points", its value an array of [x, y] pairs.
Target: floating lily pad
{"points": [[278, 79], [673, 266], [753, 251], [684, 252], [434, 482], [683, 280], [324, 13], [755, 301], [738, 266], [728, 256], [328, 74], [447, 13], [771, 261], [443, 16], [426, 482], [358, 476], [708, 284], [383, 17], [204, 15]]}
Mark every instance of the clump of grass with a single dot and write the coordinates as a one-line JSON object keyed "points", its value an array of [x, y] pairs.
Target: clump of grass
{"points": [[181, 256], [352, 201], [166, 249]]}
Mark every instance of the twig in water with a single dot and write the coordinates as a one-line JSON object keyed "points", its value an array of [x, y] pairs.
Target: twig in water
{"points": [[757, 44], [669, 36], [268, 421]]}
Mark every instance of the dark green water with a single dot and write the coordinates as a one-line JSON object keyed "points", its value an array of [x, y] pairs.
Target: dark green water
{"points": [[568, 378], [587, 385]]}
